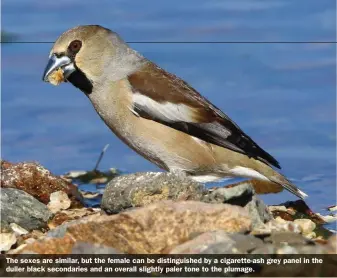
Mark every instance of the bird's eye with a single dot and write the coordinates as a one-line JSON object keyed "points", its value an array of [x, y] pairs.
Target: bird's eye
{"points": [[75, 46]]}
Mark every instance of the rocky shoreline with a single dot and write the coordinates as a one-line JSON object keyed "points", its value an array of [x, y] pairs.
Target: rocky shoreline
{"points": [[150, 213]]}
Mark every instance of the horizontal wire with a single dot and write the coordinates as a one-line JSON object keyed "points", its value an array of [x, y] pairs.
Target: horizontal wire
{"points": [[191, 42]]}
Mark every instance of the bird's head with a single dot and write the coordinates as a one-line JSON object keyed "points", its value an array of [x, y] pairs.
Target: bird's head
{"points": [[82, 54]]}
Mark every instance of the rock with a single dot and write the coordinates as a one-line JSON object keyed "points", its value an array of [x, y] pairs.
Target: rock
{"points": [[70, 215], [301, 210], [16, 250], [238, 195], [30, 237], [29, 240], [4, 226], [24, 240], [236, 244], [306, 225], [36, 234], [90, 195], [242, 195], [6, 241], [61, 230], [199, 243], [218, 242], [37, 181], [277, 208], [18, 230], [276, 225], [93, 177], [286, 249], [265, 249], [141, 189], [309, 249], [156, 228], [92, 249], [273, 209], [58, 201], [288, 238], [331, 246], [21, 208], [258, 211], [328, 218], [332, 208], [46, 246], [311, 235], [283, 212]]}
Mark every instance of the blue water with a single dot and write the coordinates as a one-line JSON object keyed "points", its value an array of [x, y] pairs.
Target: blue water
{"points": [[282, 94]]}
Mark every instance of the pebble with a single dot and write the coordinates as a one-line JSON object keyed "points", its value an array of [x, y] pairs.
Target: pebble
{"points": [[306, 225], [6, 241], [59, 200], [18, 230]]}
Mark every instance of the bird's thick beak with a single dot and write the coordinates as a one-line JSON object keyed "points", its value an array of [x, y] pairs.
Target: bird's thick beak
{"points": [[54, 63]]}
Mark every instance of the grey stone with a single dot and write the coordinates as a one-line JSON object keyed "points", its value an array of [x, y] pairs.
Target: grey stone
{"points": [[212, 239], [61, 230], [284, 248], [265, 249], [242, 195], [287, 238], [141, 189], [23, 209], [235, 244], [310, 249], [300, 249], [238, 195], [258, 211]]}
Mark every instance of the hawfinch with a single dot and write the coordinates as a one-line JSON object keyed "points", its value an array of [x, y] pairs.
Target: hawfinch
{"points": [[156, 113]]}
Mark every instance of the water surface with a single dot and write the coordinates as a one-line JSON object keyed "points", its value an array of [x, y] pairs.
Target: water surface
{"points": [[281, 94]]}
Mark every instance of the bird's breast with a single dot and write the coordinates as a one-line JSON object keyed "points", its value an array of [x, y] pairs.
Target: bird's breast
{"points": [[166, 147]]}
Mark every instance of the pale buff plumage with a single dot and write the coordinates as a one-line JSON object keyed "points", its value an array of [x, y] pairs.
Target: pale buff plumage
{"points": [[155, 113]]}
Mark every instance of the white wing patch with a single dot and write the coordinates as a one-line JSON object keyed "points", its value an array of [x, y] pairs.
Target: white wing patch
{"points": [[207, 178], [247, 173], [167, 111]]}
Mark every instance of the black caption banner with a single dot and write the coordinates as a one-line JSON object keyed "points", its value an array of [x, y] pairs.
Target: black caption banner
{"points": [[168, 265]]}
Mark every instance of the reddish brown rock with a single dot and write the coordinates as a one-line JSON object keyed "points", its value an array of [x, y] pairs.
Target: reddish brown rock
{"points": [[30, 237], [283, 214], [70, 215], [37, 181], [58, 220], [156, 228], [301, 210], [49, 246]]}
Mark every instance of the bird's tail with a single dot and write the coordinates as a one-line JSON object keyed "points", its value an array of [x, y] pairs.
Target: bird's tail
{"points": [[281, 180]]}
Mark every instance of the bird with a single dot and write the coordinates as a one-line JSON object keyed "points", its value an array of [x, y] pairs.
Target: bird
{"points": [[156, 113]]}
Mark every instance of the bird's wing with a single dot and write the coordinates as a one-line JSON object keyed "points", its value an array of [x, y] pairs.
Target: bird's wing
{"points": [[165, 98]]}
